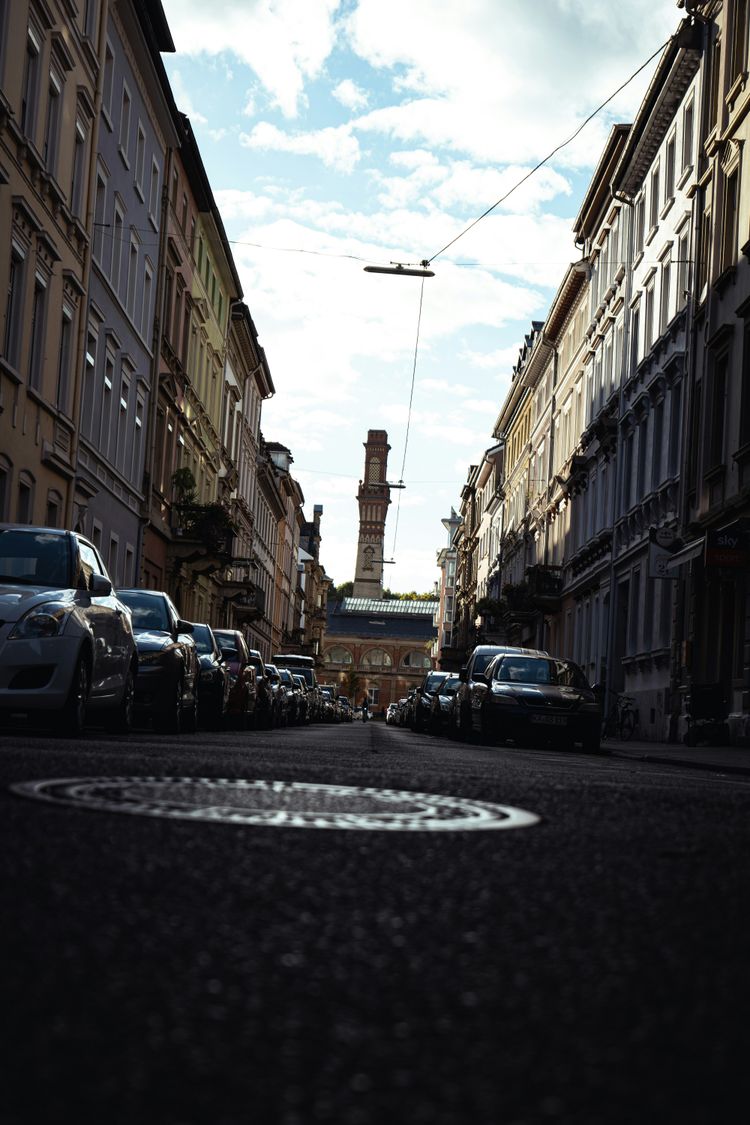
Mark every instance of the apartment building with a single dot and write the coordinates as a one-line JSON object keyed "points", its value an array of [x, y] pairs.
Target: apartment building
{"points": [[51, 64]]}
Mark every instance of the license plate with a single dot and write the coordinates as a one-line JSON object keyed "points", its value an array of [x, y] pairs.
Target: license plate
{"points": [[550, 720]]}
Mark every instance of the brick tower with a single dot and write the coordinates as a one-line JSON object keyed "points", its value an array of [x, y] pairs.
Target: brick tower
{"points": [[373, 498]]}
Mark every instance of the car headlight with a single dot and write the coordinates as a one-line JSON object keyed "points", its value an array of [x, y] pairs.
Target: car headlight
{"points": [[45, 620]]}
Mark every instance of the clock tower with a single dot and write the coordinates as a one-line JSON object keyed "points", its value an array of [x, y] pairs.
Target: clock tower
{"points": [[373, 498]]}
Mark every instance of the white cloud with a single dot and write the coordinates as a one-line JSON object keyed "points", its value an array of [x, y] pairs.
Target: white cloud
{"points": [[350, 95], [184, 101], [286, 42], [335, 146]]}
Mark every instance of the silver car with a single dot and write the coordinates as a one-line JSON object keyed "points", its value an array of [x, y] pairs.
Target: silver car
{"points": [[66, 642]]}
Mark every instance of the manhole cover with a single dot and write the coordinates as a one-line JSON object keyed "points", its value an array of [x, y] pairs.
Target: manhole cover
{"points": [[277, 804]]}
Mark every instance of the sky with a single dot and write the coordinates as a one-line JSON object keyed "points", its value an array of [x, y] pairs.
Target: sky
{"points": [[342, 133]]}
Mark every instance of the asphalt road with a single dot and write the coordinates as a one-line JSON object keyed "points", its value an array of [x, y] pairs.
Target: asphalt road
{"points": [[590, 968]]}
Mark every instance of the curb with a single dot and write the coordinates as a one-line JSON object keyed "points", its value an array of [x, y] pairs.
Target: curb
{"points": [[717, 767]]}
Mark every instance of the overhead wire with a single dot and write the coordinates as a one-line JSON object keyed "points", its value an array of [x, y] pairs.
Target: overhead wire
{"points": [[408, 416], [548, 157]]}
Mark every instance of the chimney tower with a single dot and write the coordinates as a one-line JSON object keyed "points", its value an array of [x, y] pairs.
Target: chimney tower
{"points": [[373, 498]]}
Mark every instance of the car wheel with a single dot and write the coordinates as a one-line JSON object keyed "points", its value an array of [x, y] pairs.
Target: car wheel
{"points": [[73, 714], [121, 719], [170, 719]]}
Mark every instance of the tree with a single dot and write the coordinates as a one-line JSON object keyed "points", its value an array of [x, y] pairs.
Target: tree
{"points": [[345, 590]]}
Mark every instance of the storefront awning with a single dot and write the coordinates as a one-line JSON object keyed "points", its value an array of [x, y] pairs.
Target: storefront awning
{"points": [[685, 554]]}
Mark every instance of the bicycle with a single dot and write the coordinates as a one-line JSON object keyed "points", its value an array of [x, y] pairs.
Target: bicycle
{"points": [[622, 721]]}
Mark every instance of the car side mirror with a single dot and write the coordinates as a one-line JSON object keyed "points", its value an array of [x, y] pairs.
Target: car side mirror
{"points": [[100, 586], [185, 626], [463, 676], [480, 677]]}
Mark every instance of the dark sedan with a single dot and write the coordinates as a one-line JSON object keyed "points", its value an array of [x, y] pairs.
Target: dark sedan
{"points": [[242, 708], [535, 701], [166, 687], [421, 707], [441, 704], [213, 681]]}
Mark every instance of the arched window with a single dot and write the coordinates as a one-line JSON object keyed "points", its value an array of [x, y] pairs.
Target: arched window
{"points": [[25, 509], [376, 658], [53, 514], [337, 654], [416, 661]]}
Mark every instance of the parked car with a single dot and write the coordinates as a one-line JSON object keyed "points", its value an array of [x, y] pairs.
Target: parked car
{"points": [[264, 714], [166, 687], [419, 715], [472, 672], [214, 681], [305, 696], [391, 713], [535, 700], [279, 693], [293, 696], [441, 704], [66, 643], [346, 708], [242, 708]]}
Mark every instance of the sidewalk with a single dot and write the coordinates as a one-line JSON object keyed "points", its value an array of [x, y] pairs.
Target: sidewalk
{"points": [[723, 759]]}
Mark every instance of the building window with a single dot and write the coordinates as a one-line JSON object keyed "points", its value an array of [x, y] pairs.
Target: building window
{"points": [[153, 194], [657, 440], [665, 297], [669, 166], [739, 39], [416, 661], [100, 210], [63, 367], [132, 277], [730, 216], [745, 383], [117, 235], [654, 209], [108, 83], [705, 253], [52, 124], [648, 318], [683, 267], [6, 470], [125, 125], [635, 606], [89, 383], [140, 159], [25, 509], [78, 181], [53, 513], [377, 658], [688, 115], [337, 654], [30, 87], [36, 332], [148, 284], [136, 467], [635, 328], [14, 306], [716, 419]]}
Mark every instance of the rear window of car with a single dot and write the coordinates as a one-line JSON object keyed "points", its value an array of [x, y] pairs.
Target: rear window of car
{"points": [[34, 558], [146, 610]]}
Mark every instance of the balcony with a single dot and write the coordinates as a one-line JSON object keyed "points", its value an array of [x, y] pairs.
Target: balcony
{"points": [[544, 585]]}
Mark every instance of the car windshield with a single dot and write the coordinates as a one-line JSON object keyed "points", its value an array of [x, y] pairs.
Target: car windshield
{"points": [[148, 611], [228, 646], [433, 682], [450, 686], [538, 670], [34, 558], [203, 640]]}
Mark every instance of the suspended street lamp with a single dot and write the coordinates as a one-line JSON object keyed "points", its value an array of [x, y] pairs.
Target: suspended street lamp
{"points": [[398, 268]]}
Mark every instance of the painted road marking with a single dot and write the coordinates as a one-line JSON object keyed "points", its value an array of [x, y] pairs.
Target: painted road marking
{"points": [[277, 804]]}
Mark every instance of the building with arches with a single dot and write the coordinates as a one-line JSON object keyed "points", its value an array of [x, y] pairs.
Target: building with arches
{"points": [[380, 648]]}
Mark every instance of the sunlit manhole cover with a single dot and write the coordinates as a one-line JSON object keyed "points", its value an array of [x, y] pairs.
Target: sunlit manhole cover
{"points": [[277, 804]]}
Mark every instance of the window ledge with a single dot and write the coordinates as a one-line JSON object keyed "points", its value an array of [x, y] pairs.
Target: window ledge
{"points": [[667, 207], [717, 473], [686, 174], [652, 234], [123, 156], [12, 372], [742, 455]]}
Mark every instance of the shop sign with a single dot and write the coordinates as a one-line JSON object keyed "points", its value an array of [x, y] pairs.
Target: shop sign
{"points": [[729, 546]]}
